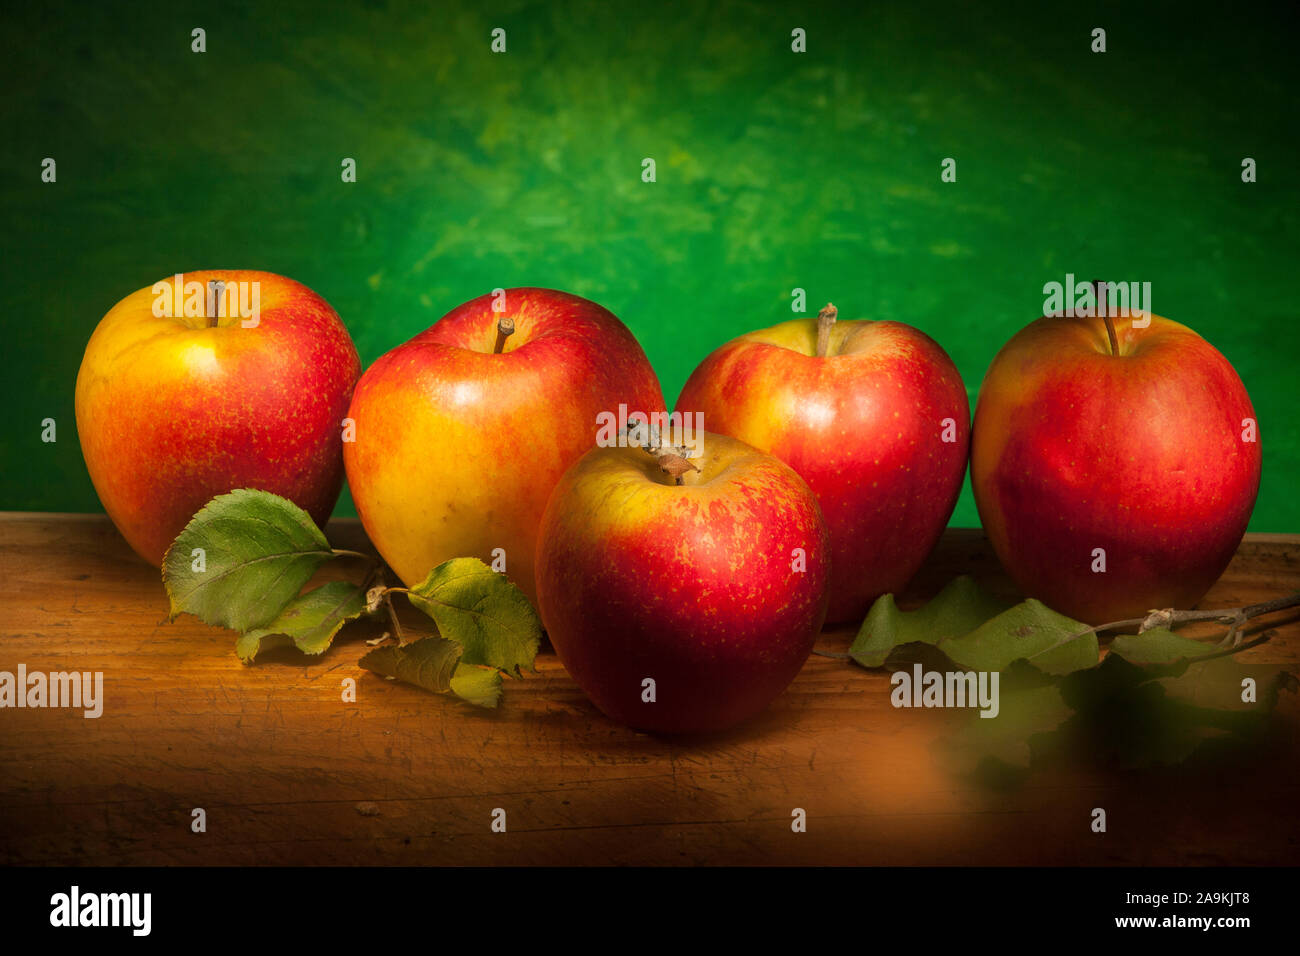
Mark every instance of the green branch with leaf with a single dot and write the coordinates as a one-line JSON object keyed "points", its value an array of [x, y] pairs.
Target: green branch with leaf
{"points": [[242, 563], [1155, 697]]}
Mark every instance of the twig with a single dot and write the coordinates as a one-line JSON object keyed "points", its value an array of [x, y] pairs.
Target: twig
{"points": [[392, 616], [1168, 617], [1235, 649]]}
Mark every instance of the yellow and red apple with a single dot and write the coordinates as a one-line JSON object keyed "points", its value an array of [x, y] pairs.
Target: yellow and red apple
{"points": [[458, 445], [878, 425], [1113, 480], [176, 405], [682, 608]]}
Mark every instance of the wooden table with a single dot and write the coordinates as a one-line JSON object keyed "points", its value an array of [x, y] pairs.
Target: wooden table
{"points": [[288, 773]]}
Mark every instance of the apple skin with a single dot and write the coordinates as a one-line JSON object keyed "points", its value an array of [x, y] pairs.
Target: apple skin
{"points": [[1140, 454], [457, 448], [692, 585], [863, 426], [171, 413]]}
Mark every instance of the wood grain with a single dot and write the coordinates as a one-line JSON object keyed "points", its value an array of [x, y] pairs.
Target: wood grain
{"points": [[289, 773]]}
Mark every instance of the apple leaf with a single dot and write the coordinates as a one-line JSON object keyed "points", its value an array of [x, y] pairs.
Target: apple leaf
{"points": [[255, 550], [1024, 717], [476, 684], [1157, 698], [1030, 631], [483, 612], [1157, 646], [958, 609], [1164, 714], [1229, 686], [1132, 715], [435, 664], [309, 622]]}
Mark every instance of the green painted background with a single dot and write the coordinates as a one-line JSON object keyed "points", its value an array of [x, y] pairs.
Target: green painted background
{"points": [[775, 171]]}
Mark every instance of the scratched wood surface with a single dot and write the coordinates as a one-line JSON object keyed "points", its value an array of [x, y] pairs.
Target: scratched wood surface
{"points": [[288, 773]]}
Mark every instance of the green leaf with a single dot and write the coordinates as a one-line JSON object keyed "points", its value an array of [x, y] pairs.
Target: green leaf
{"points": [[309, 622], [478, 685], [1127, 715], [1029, 631], [1007, 738], [1218, 685], [259, 550], [435, 664], [428, 662], [1124, 718], [1163, 714], [1157, 646], [1177, 704], [958, 609], [483, 612]]}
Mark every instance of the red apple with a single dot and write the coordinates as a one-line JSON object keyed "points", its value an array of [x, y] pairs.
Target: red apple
{"points": [[876, 422], [1146, 453], [174, 408], [714, 589], [458, 446]]}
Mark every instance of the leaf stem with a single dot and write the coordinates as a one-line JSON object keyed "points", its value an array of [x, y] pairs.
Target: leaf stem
{"points": [[1235, 649], [375, 572], [345, 553], [392, 616]]}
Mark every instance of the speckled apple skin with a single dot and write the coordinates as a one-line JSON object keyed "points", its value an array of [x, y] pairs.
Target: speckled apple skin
{"points": [[1140, 455], [864, 426], [698, 587], [171, 413], [457, 449]]}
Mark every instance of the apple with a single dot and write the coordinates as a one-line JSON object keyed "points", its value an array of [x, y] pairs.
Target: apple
{"points": [[462, 432], [187, 391], [714, 589], [1139, 457], [873, 415]]}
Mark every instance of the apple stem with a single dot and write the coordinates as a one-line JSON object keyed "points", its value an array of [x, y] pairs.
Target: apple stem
{"points": [[825, 319], [671, 463], [216, 288], [1099, 294], [505, 329], [668, 457]]}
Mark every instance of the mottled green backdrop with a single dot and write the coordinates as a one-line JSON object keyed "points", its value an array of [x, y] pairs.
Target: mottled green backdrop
{"points": [[776, 170]]}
